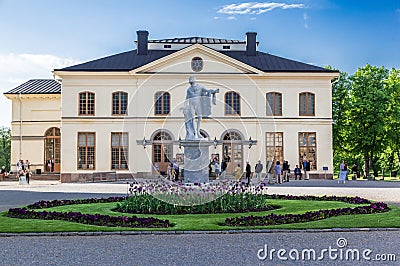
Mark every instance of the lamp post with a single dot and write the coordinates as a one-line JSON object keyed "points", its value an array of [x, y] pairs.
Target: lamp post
{"points": [[144, 142], [215, 142], [251, 142]]}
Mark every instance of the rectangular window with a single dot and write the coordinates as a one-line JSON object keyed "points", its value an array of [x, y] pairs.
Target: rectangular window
{"points": [[232, 103], [86, 103], [274, 103], [162, 103], [274, 146], [86, 150], [167, 45], [308, 148], [226, 47], [119, 150], [307, 103], [120, 103]]}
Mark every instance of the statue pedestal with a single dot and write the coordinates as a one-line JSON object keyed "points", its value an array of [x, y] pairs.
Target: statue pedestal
{"points": [[196, 160]]}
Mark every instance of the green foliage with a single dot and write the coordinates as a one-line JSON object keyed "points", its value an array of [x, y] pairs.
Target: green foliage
{"points": [[207, 221], [5, 147], [228, 203], [366, 118]]}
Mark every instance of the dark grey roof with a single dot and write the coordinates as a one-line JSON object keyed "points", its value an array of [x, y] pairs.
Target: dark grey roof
{"points": [[130, 60], [37, 86], [201, 40], [120, 62]]}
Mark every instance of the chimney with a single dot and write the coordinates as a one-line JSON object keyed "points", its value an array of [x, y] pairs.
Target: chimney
{"points": [[142, 39], [251, 43]]}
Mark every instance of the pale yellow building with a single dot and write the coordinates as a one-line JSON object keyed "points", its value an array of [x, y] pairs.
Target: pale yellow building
{"points": [[111, 108]]}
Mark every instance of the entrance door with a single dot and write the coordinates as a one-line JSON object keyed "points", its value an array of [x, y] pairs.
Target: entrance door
{"points": [[233, 149], [52, 149], [162, 151]]}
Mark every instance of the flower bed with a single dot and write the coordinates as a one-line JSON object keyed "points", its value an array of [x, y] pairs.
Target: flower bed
{"points": [[92, 219], [274, 219], [55, 203], [238, 199]]}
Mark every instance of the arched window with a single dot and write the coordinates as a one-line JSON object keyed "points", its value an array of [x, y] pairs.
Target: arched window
{"points": [[162, 103], [274, 103], [119, 103], [52, 150], [232, 103], [232, 148], [162, 150], [307, 103], [86, 103]]}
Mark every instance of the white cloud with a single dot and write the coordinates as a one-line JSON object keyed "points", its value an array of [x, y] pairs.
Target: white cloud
{"points": [[253, 18], [216, 17], [255, 7], [231, 18], [305, 16], [25, 66], [16, 69]]}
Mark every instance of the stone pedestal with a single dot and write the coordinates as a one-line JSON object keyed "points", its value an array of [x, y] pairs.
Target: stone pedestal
{"points": [[196, 160]]}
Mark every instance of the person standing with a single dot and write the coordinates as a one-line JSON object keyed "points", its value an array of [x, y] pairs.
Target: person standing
{"points": [[28, 174], [217, 169], [307, 168], [342, 173], [258, 170], [52, 164], [248, 172], [169, 171], [224, 165], [49, 164], [278, 172], [3, 173], [285, 168], [237, 173]]}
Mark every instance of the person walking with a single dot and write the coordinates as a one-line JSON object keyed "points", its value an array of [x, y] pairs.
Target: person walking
{"points": [[248, 172], [258, 170], [278, 172]]}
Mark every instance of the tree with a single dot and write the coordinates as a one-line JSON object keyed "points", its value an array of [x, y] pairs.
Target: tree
{"points": [[367, 114], [392, 124], [5, 147], [340, 99]]}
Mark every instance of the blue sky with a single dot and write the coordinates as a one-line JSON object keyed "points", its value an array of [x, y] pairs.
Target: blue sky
{"points": [[37, 36]]}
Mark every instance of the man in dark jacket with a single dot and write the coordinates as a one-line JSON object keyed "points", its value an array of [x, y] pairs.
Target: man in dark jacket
{"points": [[248, 172]]}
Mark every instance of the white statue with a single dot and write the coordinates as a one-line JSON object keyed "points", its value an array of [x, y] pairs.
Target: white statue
{"points": [[197, 103]]}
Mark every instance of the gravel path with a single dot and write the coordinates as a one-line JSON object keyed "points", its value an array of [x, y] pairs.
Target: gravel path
{"points": [[194, 249], [198, 249]]}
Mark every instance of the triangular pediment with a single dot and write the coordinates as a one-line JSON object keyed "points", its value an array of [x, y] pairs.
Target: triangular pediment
{"points": [[180, 62]]}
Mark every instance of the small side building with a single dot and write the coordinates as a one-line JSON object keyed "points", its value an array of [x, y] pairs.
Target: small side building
{"points": [[35, 125]]}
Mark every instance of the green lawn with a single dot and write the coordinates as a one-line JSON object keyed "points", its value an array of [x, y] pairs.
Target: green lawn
{"points": [[207, 221]]}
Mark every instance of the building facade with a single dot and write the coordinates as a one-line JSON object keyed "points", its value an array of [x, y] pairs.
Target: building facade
{"points": [[123, 113]]}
